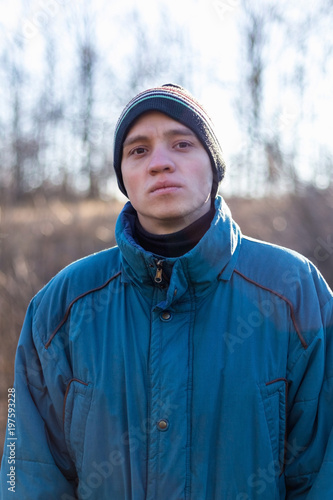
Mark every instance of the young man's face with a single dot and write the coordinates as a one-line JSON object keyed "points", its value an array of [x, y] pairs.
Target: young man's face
{"points": [[167, 173]]}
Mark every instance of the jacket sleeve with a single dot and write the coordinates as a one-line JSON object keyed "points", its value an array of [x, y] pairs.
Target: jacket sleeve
{"points": [[309, 445], [35, 463]]}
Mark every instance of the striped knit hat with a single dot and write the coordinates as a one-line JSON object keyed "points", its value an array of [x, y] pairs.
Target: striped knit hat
{"points": [[179, 104]]}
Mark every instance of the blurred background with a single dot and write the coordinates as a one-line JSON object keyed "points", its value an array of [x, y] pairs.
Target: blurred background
{"points": [[263, 70]]}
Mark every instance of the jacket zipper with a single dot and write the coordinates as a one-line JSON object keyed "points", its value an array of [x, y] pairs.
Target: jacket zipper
{"points": [[159, 270]]}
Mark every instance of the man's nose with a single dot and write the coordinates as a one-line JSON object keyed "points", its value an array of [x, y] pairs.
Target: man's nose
{"points": [[160, 161]]}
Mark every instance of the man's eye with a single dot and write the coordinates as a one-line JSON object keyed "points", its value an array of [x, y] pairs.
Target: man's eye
{"points": [[183, 145], [137, 151]]}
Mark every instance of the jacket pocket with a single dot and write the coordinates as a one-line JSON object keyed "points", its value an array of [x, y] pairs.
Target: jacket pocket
{"points": [[77, 403], [274, 395]]}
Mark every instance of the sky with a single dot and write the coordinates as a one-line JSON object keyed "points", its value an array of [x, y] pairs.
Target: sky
{"points": [[211, 27]]}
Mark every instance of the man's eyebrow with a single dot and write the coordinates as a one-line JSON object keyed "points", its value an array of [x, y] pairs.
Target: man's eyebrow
{"points": [[180, 131], [133, 139], [169, 133]]}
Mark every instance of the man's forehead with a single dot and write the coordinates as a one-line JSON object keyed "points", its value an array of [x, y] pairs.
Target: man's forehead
{"points": [[146, 122]]}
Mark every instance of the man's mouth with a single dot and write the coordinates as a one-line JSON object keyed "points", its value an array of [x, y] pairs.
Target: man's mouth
{"points": [[164, 187]]}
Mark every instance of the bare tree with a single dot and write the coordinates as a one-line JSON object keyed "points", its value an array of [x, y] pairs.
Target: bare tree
{"points": [[254, 27], [48, 112], [14, 67], [81, 109]]}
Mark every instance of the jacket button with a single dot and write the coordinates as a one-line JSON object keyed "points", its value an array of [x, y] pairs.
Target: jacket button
{"points": [[162, 425], [165, 316]]}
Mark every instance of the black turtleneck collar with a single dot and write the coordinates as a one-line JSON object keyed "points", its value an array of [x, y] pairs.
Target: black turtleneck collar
{"points": [[174, 244]]}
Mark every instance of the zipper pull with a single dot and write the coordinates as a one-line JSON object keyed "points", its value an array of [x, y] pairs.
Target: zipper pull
{"points": [[159, 270]]}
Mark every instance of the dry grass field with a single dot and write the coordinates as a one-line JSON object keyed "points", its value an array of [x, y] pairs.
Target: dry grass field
{"points": [[36, 241], [40, 238]]}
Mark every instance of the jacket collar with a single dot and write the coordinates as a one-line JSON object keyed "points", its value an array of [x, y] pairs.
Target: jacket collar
{"points": [[212, 259]]}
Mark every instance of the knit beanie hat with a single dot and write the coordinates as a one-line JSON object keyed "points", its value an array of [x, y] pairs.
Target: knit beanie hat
{"points": [[177, 103]]}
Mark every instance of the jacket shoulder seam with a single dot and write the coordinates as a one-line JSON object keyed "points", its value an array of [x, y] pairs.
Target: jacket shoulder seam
{"points": [[282, 297], [68, 310]]}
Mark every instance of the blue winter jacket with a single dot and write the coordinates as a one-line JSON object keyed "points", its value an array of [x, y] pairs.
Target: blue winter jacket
{"points": [[204, 377]]}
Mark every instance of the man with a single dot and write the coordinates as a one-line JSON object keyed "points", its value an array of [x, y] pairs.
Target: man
{"points": [[189, 362]]}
